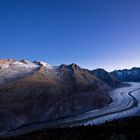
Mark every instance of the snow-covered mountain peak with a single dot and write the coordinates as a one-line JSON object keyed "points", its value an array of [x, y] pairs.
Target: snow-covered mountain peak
{"points": [[25, 61], [42, 63], [11, 69], [127, 75]]}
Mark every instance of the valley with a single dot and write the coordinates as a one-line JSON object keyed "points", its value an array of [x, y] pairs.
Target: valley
{"points": [[126, 103], [36, 95]]}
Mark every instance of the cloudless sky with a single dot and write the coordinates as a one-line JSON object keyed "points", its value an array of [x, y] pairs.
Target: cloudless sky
{"points": [[91, 33]]}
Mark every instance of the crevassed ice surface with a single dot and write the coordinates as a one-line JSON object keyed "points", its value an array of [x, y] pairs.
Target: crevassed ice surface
{"points": [[122, 106], [121, 102]]}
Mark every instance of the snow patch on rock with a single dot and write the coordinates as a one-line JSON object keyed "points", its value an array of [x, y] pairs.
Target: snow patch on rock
{"points": [[42, 63]]}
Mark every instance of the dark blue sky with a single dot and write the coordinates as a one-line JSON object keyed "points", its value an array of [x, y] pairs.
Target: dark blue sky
{"points": [[91, 33]]}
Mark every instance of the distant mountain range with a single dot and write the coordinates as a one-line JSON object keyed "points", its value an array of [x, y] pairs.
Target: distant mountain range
{"points": [[131, 75], [37, 91]]}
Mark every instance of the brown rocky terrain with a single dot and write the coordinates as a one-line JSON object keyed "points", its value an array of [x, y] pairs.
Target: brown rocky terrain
{"points": [[48, 93], [3, 61]]}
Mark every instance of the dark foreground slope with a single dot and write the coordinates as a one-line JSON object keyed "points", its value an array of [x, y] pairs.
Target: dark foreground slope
{"points": [[125, 129]]}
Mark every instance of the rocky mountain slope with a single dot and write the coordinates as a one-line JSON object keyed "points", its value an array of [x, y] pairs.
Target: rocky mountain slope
{"points": [[106, 77], [31, 92], [132, 75]]}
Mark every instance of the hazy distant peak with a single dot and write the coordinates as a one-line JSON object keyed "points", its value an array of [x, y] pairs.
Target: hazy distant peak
{"points": [[127, 75]]}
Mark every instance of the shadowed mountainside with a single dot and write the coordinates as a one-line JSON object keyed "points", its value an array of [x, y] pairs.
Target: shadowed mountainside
{"points": [[45, 92], [106, 77]]}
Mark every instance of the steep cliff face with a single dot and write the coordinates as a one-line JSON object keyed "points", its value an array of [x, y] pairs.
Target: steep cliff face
{"points": [[38, 92]]}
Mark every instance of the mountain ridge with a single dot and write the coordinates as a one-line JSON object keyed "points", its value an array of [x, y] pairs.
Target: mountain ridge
{"points": [[33, 92], [127, 75], [36, 91]]}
